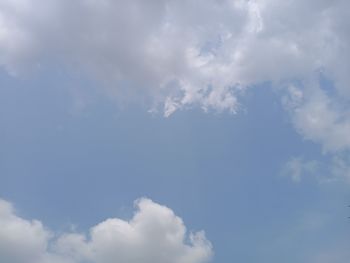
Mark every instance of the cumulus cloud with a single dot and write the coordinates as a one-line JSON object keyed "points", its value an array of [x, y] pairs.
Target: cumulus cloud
{"points": [[179, 53], [20, 240], [154, 234], [175, 55]]}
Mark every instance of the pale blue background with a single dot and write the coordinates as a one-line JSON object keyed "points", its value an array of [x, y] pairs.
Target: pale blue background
{"points": [[64, 164]]}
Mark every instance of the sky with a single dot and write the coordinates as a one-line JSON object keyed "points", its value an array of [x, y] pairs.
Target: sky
{"points": [[174, 131]]}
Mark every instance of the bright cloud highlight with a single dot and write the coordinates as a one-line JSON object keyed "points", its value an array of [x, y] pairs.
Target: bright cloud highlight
{"points": [[155, 234]]}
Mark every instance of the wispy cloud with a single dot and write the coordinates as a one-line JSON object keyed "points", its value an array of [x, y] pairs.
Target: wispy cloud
{"points": [[297, 167]]}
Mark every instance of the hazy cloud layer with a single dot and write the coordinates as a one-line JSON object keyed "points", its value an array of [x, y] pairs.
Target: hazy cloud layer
{"points": [[322, 115], [297, 167], [154, 235], [180, 54]]}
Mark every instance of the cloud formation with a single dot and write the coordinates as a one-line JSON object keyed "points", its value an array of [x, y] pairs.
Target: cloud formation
{"points": [[322, 115], [154, 235], [180, 54]]}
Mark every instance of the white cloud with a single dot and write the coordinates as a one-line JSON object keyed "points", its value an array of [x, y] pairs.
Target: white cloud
{"points": [[175, 55], [155, 234], [321, 115], [179, 53], [322, 118], [20, 240]]}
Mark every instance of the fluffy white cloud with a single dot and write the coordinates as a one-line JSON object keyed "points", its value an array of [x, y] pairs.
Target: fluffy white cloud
{"points": [[179, 53], [155, 234], [156, 50], [20, 240]]}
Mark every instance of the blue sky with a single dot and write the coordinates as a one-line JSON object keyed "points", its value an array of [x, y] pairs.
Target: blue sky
{"points": [[258, 159]]}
